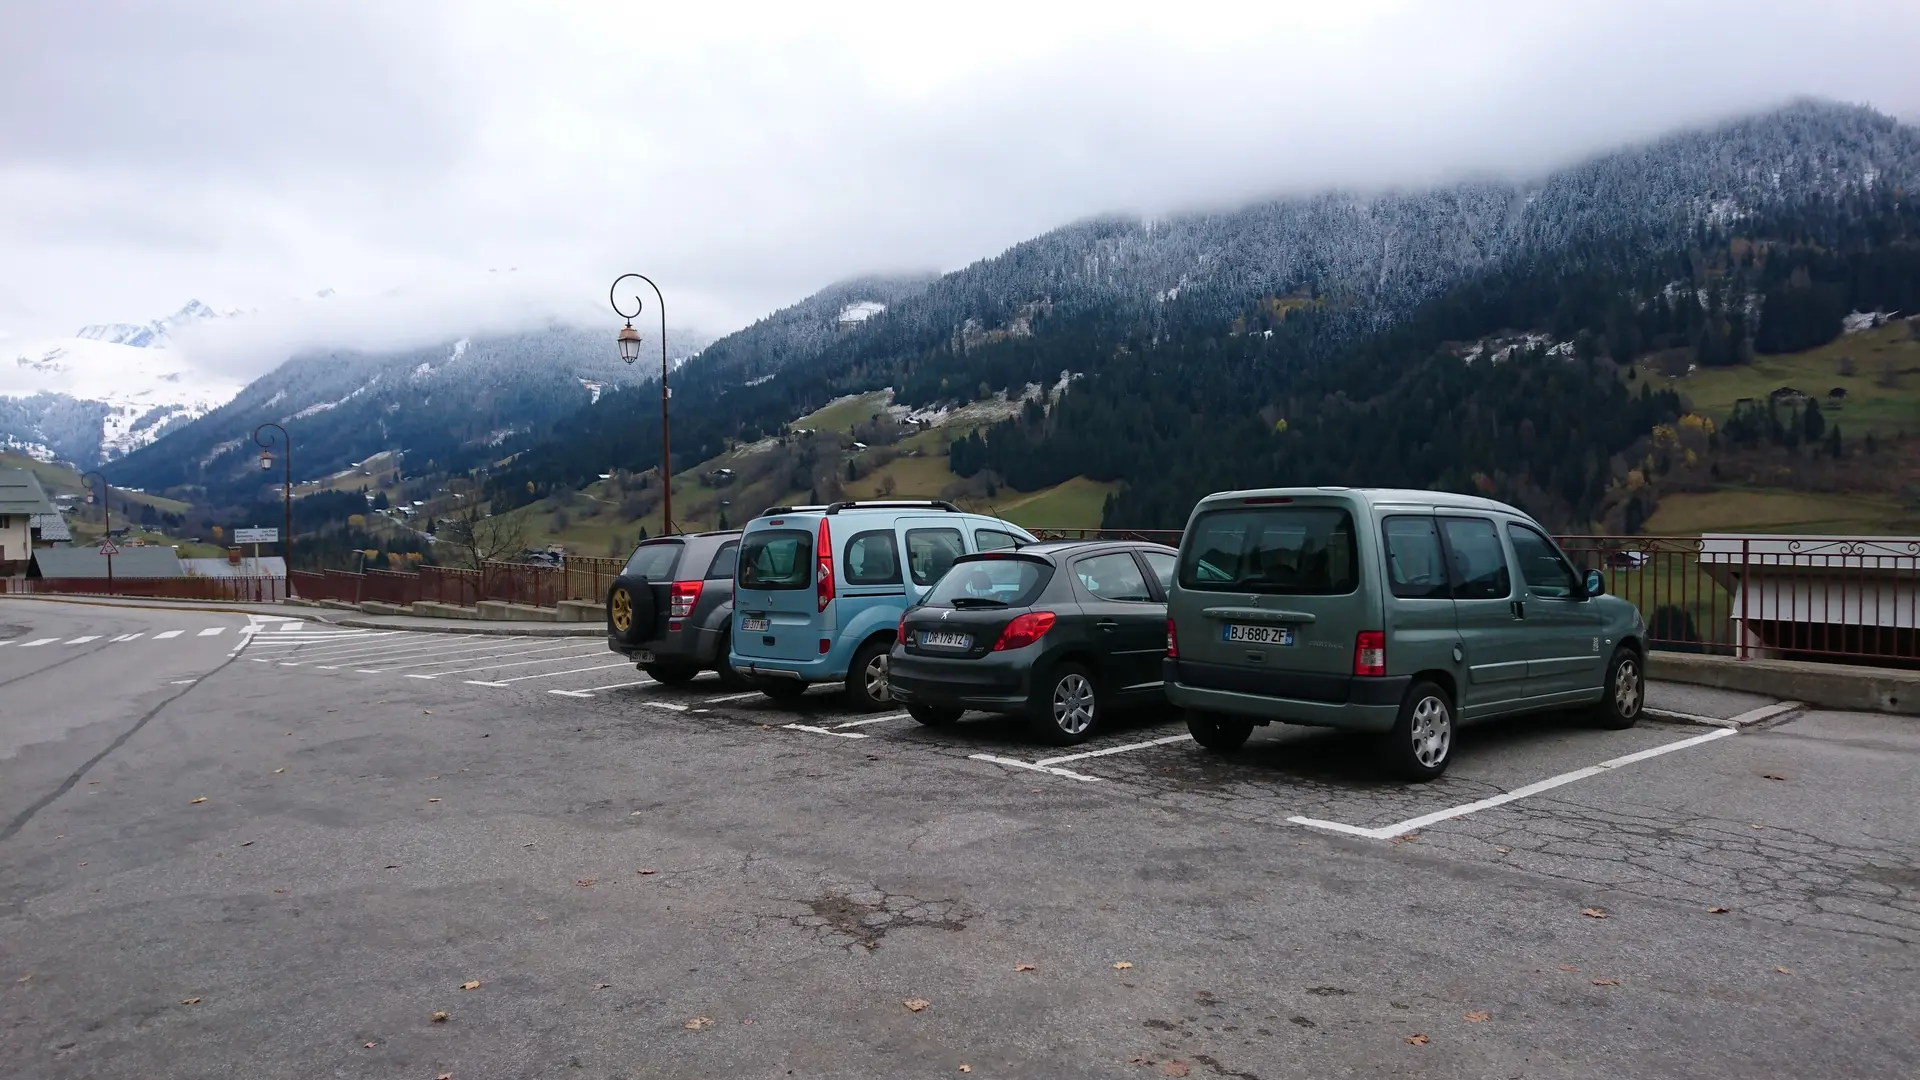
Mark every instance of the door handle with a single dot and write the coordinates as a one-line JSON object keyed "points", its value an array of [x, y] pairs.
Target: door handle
{"points": [[1107, 624], [1519, 609]]}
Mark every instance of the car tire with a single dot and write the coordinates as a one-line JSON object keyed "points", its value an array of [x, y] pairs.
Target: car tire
{"points": [[1067, 708], [1220, 734], [783, 689], [1626, 691], [934, 715], [1421, 742], [867, 676], [670, 674]]}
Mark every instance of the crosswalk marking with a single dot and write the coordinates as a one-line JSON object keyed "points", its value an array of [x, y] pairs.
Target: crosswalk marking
{"points": [[127, 637], [42, 641], [165, 634], [83, 640], [213, 631]]}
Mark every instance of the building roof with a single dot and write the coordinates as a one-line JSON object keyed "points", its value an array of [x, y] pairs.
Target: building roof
{"points": [[20, 493], [50, 526], [267, 566], [86, 562]]}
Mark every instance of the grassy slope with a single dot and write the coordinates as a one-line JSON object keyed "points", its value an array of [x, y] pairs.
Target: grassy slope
{"points": [[60, 480], [1869, 406], [1735, 510]]}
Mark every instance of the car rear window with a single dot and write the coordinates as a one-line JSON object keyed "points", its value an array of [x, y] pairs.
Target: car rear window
{"points": [[654, 561], [990, 583], [776, 559], [1297, 550]]}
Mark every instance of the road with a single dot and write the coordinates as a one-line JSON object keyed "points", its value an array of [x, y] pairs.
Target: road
{"points": [[286, 860]]}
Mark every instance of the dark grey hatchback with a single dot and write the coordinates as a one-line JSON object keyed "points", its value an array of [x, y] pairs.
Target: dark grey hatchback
{"points": [[1059, 632]]}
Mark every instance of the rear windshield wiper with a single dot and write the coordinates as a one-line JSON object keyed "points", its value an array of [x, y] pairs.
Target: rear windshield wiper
{"points": [[977, 601]]}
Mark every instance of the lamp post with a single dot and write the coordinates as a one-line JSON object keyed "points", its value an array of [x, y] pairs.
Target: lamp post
{"points": [[286, 487], [629, 340], [106, 507]]}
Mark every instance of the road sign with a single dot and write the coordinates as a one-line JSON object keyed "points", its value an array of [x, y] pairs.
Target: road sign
{"points": [[107, 548], [256, 536]]}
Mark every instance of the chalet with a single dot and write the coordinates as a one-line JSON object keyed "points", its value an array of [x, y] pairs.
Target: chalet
{"points": [[50, 529], [1787, 395], [85, 562], [1812, 597], [1836, 396], [21, 501]]}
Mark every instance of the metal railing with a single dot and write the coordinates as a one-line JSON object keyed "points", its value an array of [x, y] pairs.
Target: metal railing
{"points": [[1767, 597], [1169, 537], [234, 589]]}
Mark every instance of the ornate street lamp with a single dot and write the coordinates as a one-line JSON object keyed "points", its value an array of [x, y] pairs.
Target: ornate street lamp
{"points": [[286, 487], [629, 341], [106, 507]]}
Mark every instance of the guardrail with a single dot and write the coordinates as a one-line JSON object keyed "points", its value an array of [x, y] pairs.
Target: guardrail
{"points": [[1767, 597]]}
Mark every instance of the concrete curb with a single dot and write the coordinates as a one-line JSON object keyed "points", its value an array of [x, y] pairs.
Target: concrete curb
{"points": [[475, 627], [1827, 686], [1745, 719]]}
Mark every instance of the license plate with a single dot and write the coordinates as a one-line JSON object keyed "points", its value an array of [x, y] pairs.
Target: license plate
{"points": [[643, 657], [752, 625], [1242, 634], [946, 639]]}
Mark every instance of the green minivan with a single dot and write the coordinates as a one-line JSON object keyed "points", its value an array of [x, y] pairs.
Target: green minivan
{"points": [[1400, 614]]}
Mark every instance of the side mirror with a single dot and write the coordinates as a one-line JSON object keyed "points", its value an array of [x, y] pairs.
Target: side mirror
{"points": [[1596, 583]]}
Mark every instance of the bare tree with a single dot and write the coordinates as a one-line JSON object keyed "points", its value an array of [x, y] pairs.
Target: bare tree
{"points": [[476, 536]]}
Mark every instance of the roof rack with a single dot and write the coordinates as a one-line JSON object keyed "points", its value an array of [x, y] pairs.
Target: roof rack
{"points": [[901, 504], [772, 510]]}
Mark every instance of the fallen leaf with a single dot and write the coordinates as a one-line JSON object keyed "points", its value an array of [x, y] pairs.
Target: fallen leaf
{"points": [[370, 1045], [433, 800], [1606, 982], [697, 1023], [601, 986], [1418, 1039], [1759, 826], [1594, 913], [1405, 838], [429, 712], [83, 862], [1139, 1061], [1716, 911], [391, 866], [191, 1001], [470, 984], [282, 892], [646, 870], [1023, 967], [24, 978], [1475, 1018], [1783, 971], [246, 843], [584, 882], [440, 1018], [277, 772], [441, 1076], [916, 1004], [966, 1068], [1568, 967], [1771, 776], [196, 802], [1174, 1068], [1122, 965], [1503, 850]]}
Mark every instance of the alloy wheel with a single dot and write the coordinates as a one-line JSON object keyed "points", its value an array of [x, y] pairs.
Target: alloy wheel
{"points": [[1073, 704], [621, 608], [876, 678], [1432, 731]]}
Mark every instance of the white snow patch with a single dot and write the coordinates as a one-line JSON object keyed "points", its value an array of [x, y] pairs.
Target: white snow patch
{"points": [[860, 311], [1856, 321], [762, 379], [594, 388]]}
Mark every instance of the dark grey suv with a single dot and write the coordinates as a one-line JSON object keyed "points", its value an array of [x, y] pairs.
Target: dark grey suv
{"points": [[1061, 632], [670, 608]]}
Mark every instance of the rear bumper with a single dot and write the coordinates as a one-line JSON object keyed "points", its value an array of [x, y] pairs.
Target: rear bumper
{"points": [[806, 671], [995, 683], [1369, 706], [689, 645]]}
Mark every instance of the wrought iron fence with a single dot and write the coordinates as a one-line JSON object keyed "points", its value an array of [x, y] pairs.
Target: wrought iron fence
{"points": [[236, 589], [1767, 597], [1169, 537]]}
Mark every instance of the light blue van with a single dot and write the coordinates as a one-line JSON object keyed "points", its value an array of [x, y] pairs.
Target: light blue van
{"points": [[820, 589]]}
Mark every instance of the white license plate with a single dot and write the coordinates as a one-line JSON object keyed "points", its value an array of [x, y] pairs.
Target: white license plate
{"points": [[1242, 634], [752, 625], [643, 657], [946, 640]]}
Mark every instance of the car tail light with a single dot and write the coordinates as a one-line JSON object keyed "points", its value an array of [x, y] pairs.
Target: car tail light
{"points": [[823, 568], [900, 632], [1370, 653], [1024, 630], [1173, 642], [684, 595]]}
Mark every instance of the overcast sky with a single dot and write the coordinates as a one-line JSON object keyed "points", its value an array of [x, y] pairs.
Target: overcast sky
{"points": [[249, 151]]}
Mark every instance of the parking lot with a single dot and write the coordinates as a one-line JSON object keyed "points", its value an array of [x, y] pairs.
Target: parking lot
{"points": [[648, 880]]}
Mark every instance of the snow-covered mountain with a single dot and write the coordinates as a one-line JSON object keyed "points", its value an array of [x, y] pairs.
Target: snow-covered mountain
{"points": [[109, 389]]}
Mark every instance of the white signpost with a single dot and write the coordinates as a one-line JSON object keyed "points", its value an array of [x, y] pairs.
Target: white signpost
{"points": [[256, 536]]}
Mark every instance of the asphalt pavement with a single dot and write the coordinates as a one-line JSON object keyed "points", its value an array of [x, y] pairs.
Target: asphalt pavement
{"points": [[265, 847]]}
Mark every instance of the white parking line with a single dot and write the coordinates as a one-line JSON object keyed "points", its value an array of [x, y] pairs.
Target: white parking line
{"points": [[590, 691], [1401, 828], [824, 731], [543, 675], [731, 697], [1054, 770], [165, 634], [488, 656], [84, 640], [491, 667], [1114, 750], [874, 720], [42, 641]]}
